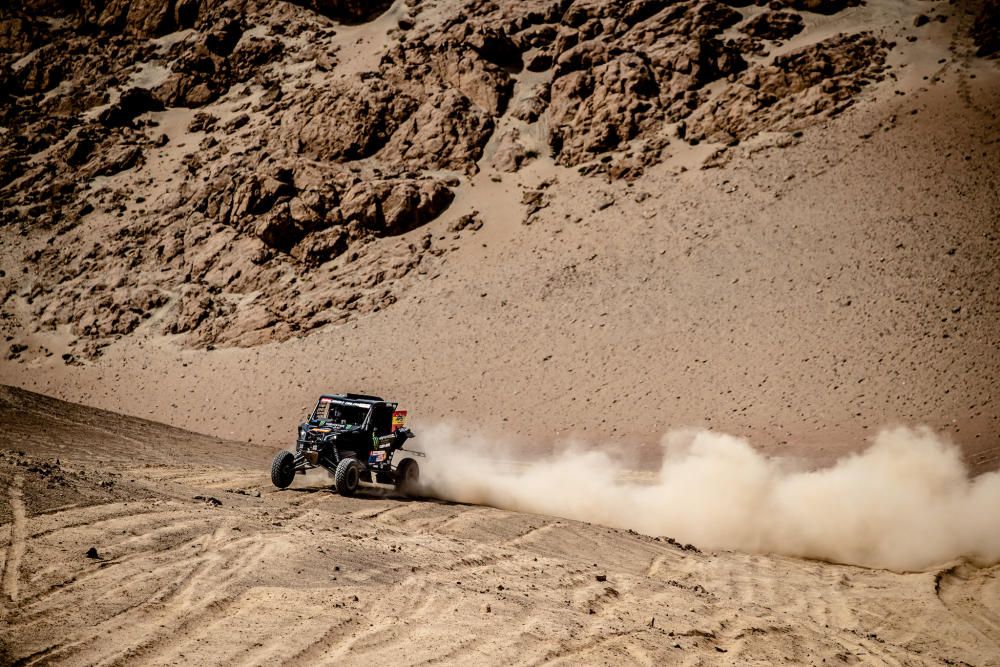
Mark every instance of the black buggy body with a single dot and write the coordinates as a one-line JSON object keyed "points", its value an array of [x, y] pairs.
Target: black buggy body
{"points": [[358, 438]]}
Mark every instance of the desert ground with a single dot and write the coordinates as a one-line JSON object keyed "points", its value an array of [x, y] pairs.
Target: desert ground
{"points": [[537, 225], [198, 560]]}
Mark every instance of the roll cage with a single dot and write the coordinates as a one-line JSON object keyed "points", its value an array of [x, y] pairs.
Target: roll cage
{"points": [[377, 411]]}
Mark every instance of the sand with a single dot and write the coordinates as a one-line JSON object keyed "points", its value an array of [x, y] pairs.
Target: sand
{"points": [[199, 561], [798, 291]]}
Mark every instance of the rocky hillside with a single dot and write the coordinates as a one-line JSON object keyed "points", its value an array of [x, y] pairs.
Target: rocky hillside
{"points": [[238, 171]]}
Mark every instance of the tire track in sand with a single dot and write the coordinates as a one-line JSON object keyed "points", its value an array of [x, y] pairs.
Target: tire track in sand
{"points": [[18, 540], [972, 595], [193, 589]]}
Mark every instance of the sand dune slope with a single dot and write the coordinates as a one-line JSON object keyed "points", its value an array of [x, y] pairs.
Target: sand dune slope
{"points": [[203, 564]]}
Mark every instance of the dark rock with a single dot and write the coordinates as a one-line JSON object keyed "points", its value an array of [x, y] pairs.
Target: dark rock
{"points": [[222, 39], [985, 30], [347, 11], [468, 221], [147, 18], [236, 122], [202, 122], [495, 46], [133, 102], [540, 62], [823, 6], [350, 121], [251, 54], [773, 25], [19, 33], [535, 201], [447, 132], [813, 80], [79, 149], [42, 73], [115, 160]]}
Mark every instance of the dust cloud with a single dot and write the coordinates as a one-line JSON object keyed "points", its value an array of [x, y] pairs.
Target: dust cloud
{"points": [[905, 503]]}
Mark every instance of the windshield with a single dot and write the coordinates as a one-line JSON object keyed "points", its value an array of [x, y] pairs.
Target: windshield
{"points": [[340, 412]]}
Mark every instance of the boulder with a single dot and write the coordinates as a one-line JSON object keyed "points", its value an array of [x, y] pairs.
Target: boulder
{"points": [[18, 33], [395, 206], [347, 11], [410, 204], [139, 18], [485, 84], [773, 25], [447, 132], [817, 79], [495, 46], [132, 103], [348, 121], [321, 247], [115, 160], [985, 30], [823, 6], [594, 111]]}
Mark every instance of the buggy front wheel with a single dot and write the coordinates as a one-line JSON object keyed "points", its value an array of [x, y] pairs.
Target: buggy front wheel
{"points": [[283, 469], [348, 476]]}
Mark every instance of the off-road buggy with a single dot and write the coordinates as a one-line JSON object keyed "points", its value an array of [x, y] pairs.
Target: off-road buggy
{"points": [[357, 438]]}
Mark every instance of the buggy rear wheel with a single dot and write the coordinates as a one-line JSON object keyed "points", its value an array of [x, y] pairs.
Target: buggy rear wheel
{"points": [[283, 469], [348, 476], [407, 476]]}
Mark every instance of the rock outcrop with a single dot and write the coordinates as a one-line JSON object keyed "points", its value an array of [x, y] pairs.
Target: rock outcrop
{"points": [[820, 79], [773, 25], [985, 30], [237, 171]]}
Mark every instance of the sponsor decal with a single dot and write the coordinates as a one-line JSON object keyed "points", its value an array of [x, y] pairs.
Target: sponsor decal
{"points": [[398, 419], [376, 457]]}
